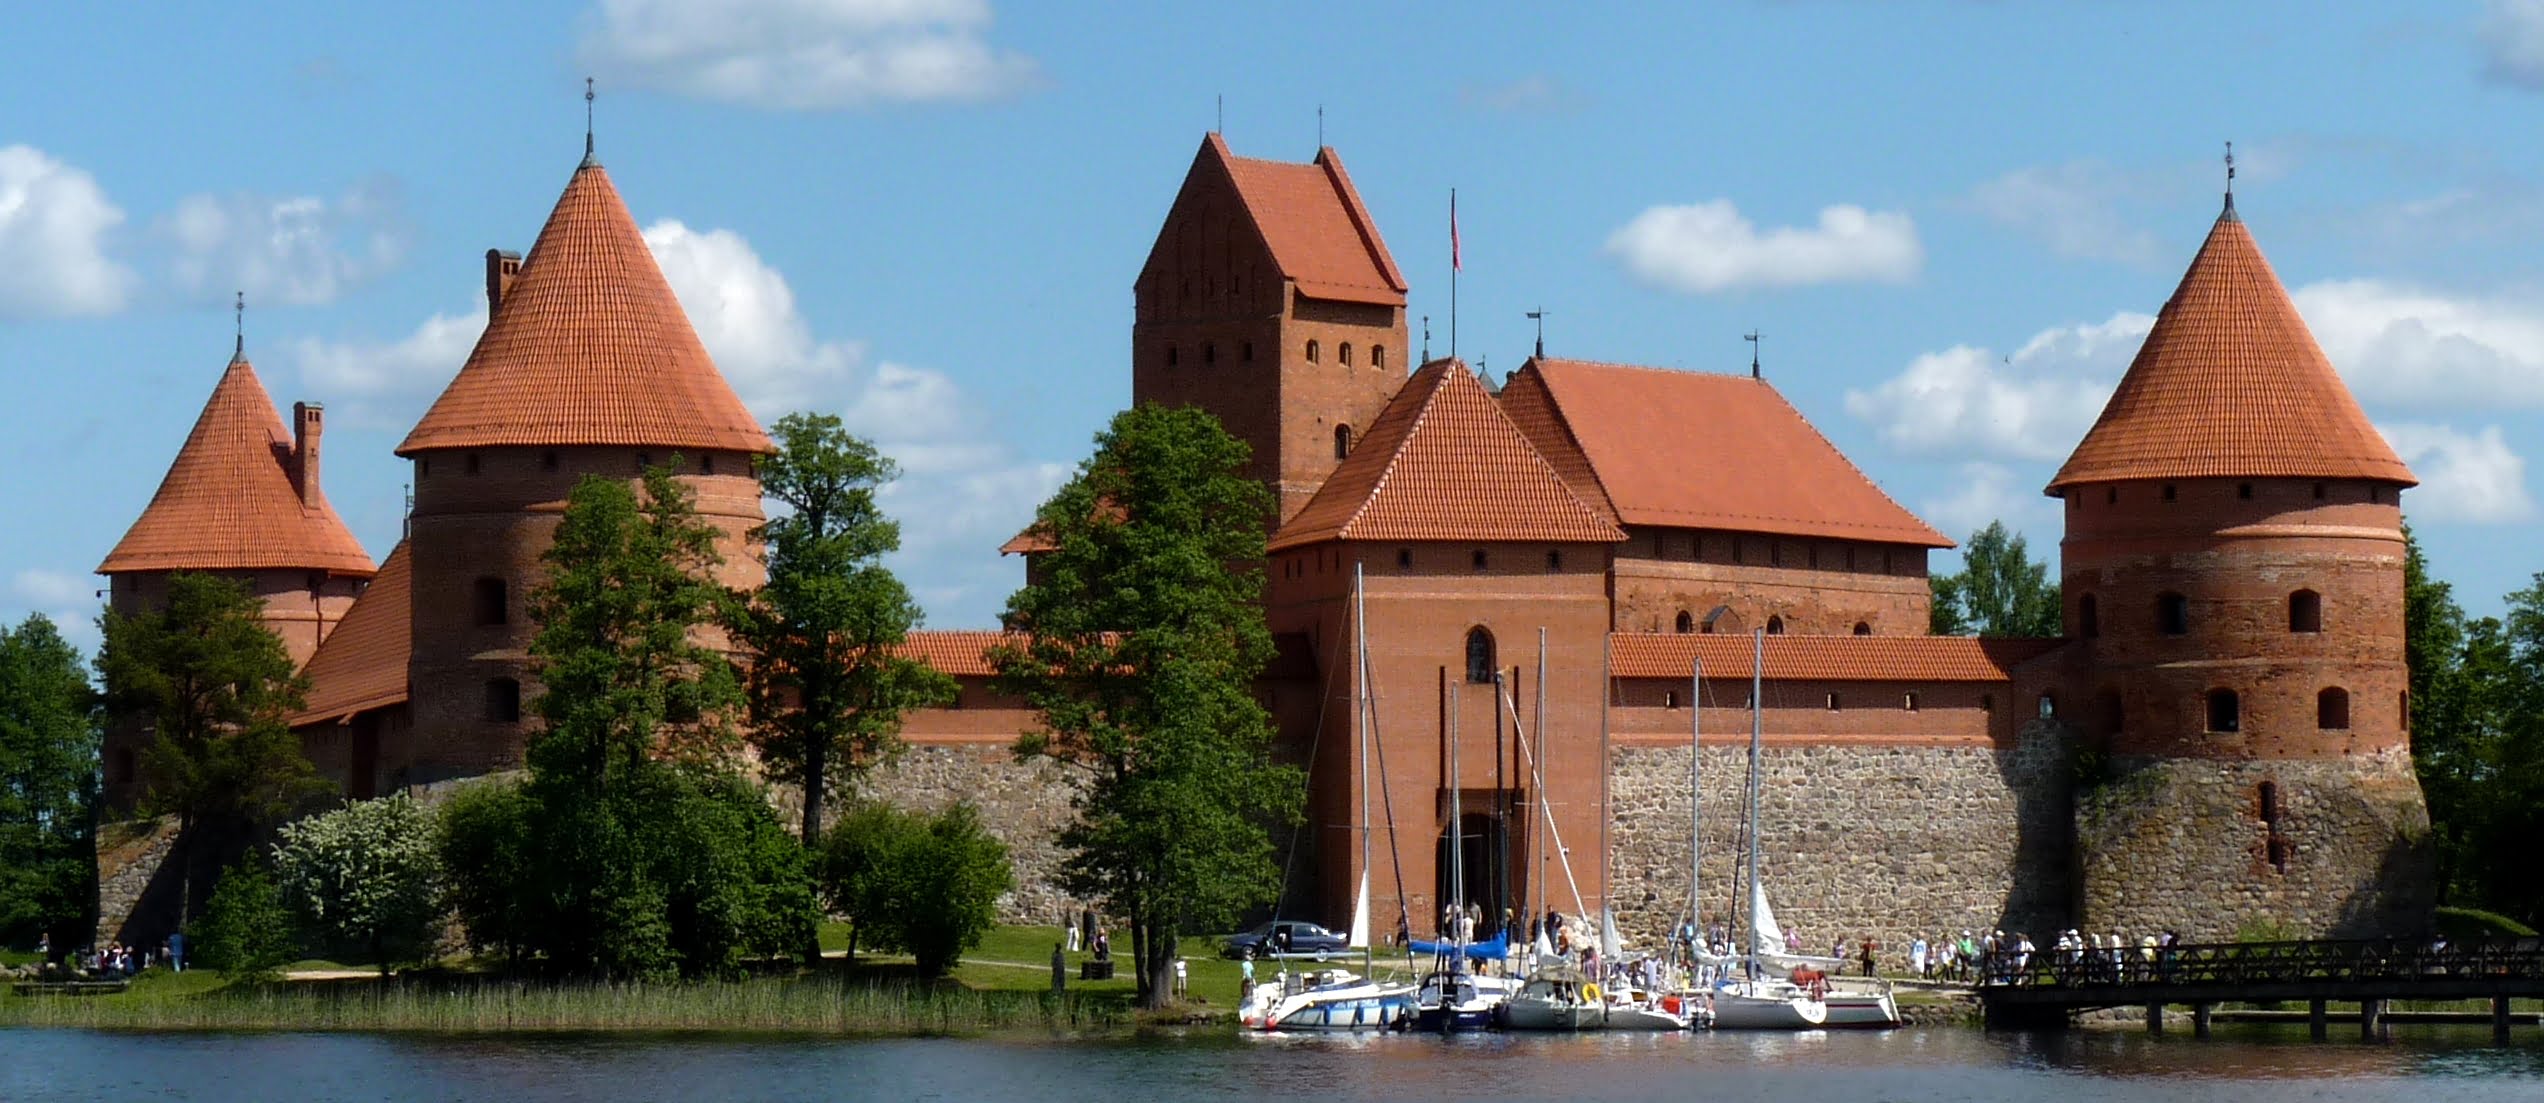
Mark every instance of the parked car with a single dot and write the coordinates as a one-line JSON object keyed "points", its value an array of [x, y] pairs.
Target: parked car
{"points": [[1285, 938]]}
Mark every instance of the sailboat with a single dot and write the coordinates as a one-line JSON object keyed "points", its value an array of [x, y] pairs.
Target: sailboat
{"points": [[1337, 999], [1453, 996], [1757, 1000]]}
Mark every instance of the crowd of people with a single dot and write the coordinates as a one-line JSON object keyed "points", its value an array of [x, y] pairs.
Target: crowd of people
{"points": [[110, 962], [1974, 956]]}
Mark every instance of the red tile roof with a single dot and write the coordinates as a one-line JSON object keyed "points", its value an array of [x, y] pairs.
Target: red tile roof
{"points": [[588, 346], [2230, 383], [362, 664], [1652, 446], [1313, 221], [227, 502], [1826, 658], [1441, 462], [960, 653]]}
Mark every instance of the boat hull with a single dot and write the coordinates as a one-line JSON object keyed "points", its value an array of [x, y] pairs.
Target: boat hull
{"points": [[1868, 1010], [1526, 1013], [1643, 1018], [1733, 1011]]}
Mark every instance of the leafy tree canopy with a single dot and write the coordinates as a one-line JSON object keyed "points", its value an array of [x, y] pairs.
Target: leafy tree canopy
{"points": [[366, 877], [48, 788], [1143, 635], [927, 884], [1999, 591]]}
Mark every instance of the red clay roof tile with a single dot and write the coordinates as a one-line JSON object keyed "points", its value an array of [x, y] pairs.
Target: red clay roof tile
{"points": [[588, 346], [1441, 462], [1826, 658], [227, 501], [2230, 383], [362, 664], [1652, 446], [1313, 220]]}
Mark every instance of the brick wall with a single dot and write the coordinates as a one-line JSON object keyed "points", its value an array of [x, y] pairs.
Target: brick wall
{"points": [[1814, 587]]}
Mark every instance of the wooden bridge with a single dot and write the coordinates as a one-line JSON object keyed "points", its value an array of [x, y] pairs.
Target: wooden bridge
{"points": [[2043, 990]]}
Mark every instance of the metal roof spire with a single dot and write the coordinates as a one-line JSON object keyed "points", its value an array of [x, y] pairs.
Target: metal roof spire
{"points": [[238, 322], [2230, 181], [589, 159]]}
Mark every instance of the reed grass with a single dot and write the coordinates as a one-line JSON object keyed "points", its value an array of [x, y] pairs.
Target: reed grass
{"points": [[783, 1006]]}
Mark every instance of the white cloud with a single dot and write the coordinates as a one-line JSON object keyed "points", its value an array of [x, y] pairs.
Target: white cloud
{"points": [[2513, 42], [298, 249], [2410, 346], [745, 314], [386, 384], [53, 224], [1985, 492], [806, 54], [2033, 404], [2074, 208], [1708, 247], [69, 600], [2473, 477]]}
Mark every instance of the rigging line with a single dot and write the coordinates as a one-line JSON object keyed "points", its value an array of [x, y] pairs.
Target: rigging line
{"points": [[1565, 859], [1387, 800]]}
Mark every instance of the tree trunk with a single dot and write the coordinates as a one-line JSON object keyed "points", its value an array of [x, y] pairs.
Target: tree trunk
{"points": [[816, 764], [1139, 963]]}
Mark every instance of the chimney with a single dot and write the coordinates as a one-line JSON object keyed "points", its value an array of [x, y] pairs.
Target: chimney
{"points": [[501, 267], [307, 424]]}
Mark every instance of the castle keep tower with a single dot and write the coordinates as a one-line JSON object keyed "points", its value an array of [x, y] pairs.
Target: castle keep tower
{"points": [[2233, 577], [242, 501], [1270, 301], [587, 367]]}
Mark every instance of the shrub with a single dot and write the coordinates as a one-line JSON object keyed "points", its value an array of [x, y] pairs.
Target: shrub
{"points": [[485, 840], [245, 930], [366, 878], [925, 884], [2474, 923]]}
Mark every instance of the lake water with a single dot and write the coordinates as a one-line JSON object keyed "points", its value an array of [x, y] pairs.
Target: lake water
{"points": [[2244, 1065]]}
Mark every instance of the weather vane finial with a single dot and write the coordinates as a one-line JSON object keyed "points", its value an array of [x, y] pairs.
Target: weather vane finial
{"points": [[1539, 316], [587, 121], [238, 326], [1752, 338], [2230, 176]]}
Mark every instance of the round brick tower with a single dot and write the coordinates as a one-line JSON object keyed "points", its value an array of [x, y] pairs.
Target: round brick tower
{"points": [[241, 501], [2233, 579], [588, 366]]}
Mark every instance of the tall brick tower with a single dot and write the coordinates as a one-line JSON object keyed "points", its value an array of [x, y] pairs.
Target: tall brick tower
{"points": [[1270, 301], [2233, 573], [588, 366], [241, 500]]}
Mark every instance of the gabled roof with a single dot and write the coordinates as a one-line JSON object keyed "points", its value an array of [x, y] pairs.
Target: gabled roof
{"points": [[1652, 446], [2230, 384], [228, 500], [1442, 463], [1825, 658], [956, 653], [588, 346], [1311, 219], [362, 664]]}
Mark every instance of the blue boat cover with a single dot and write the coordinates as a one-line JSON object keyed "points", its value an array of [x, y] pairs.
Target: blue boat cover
{"points": [[1495, 950]]}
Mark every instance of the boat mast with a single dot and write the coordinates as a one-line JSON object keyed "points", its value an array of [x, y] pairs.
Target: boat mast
{"points": [[1757, 701], [1360, 720], [1695, 796], [1539, 890], [1457, 834]]}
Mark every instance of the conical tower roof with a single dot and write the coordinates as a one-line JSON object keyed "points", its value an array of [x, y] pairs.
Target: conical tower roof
{"points": [[588, 346], [229, 501], [2230, 384]]}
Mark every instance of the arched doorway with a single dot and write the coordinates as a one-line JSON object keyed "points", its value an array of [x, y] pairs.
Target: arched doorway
{"points": [[1480, 874]]}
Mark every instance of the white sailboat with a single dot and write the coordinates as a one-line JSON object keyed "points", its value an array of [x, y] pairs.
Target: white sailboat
{"points": [[1756, 999]]}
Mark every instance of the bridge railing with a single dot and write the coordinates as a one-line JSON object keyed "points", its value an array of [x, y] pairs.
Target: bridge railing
{"points": [[2255, 963]]}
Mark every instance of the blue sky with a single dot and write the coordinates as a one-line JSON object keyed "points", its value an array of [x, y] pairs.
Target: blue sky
{"points": [[1950, 221]]}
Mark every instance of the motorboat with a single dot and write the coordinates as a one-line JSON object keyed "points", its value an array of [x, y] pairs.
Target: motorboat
{"points": [[1453, 1000], [1767, 1005], [1861, 1002], [1333, 999], [1558, 997]]}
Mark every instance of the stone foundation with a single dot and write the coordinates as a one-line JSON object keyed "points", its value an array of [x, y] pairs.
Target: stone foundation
{"points": [[2341, 851], [129, 855], [1025, 804], [1885, 841]]}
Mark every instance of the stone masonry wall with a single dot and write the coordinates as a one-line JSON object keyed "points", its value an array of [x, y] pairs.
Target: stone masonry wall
{"points": [[1024, 804], [1887, 841], [2341, 850]]}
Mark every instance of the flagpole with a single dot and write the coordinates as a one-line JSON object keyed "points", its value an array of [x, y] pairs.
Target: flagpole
{"points": [[1455, 262]]}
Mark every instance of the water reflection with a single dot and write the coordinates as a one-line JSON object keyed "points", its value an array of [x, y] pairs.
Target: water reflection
{"points": [[1910, 1066]]}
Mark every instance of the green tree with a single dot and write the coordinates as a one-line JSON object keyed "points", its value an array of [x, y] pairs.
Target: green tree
{"points": [[828, 682], [48, 788], [486, 851], [1143, 635], [2505, 682], [1998, 592], [926, 884], [216, 687], [245, 930], [367, 877], [2450, 736]]}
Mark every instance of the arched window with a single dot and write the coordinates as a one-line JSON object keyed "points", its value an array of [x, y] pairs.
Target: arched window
{"points": [[1170, 356], [1554, 559], [2048, 706], [1775, 626], [1209, 352], [503, 700], [1377, 356], [1479, 655], [2305, 611], [2332, 709], [2225, 711], [2266, 795], [1245, 351], [471, 463], [1863, 629], [1908, 701], [1342, 354], [1404, 559], [1832, 702], [2088, 617], [1311, 352], [1686, 622], [1342, 441], [2172, 614], [1669, 700], [486, 602], [2243, 491], [1480, 560]]}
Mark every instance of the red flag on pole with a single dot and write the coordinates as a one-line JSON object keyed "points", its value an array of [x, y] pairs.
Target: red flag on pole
{"points": [[1455, 262]]}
